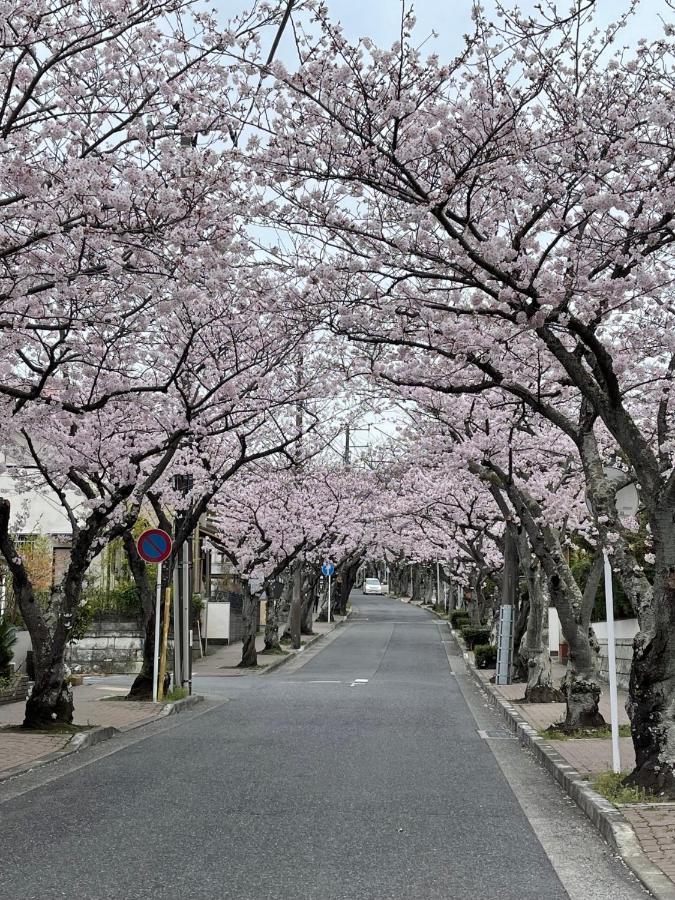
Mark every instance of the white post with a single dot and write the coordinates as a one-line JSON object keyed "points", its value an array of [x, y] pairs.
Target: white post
{"points": [[329, 597], [611, 659], [158, 616]]}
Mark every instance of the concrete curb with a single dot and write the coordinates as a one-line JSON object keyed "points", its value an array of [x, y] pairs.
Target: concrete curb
{"points": [[84, 739], [615, 829], [89, 739]]}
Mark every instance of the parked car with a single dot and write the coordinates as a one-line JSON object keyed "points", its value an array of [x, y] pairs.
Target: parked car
{"points": [[372, 586]]}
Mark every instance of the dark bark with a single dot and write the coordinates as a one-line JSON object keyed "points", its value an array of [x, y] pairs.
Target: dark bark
{"points": [[141, 689], [581, 685], [348, 572], [533, 650], [249, 620], [272, 644], [295, 618], [310, 587], [652, 679]]}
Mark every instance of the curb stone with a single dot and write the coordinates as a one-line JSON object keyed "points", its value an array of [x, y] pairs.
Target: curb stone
{"points": [[610, 822], [84, 739]]}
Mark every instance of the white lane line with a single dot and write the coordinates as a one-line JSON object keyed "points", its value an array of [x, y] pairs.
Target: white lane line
{"points": [[358, 681]]}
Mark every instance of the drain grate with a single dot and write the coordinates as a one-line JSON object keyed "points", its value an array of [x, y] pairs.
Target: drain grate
{"points": [[495, 734]]}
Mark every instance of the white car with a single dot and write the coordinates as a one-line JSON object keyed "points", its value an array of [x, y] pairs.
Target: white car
{"points": [[372, 586]]}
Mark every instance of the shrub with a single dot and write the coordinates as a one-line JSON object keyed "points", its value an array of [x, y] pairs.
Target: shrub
{"points": [[7, 641], [458, 618], [473, 635], [485, 655]]}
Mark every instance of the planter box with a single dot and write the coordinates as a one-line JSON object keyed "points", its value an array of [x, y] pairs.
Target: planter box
{"points": [[18, 690]]}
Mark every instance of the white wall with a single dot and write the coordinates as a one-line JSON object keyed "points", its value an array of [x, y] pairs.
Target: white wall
{"points": [[554, 631], [218, 622], [22, 646], [623, 629], [36, 511]]}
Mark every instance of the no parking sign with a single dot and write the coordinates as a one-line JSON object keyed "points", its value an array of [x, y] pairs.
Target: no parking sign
{"points": [[154, 545]]}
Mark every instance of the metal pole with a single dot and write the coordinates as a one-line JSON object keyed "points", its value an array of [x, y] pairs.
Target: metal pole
{"points": [[187, 648], [611, 659], [329, 598], [438, 583], [158, 616], [177, 670]]}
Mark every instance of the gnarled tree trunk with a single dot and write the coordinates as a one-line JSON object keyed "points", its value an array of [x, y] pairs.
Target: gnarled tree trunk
{"points": [[533, 650], [274, 604], [651, 704], [141, 689], [249, 623]]}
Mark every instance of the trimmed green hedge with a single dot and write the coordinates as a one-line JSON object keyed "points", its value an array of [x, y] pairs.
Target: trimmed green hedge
{"points": [[485, 656], [459, 618], [473, 635]]}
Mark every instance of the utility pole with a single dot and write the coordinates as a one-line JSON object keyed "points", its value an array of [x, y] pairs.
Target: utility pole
{"points": [[295, 622], [507, 610], [347, 447]]}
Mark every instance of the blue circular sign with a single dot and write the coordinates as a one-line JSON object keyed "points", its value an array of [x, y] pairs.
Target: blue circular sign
{"points": [[154, 545], [327, 569]]}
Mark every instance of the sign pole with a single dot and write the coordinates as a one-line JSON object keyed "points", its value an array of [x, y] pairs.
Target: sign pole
{"points": [[158, 616], [329, 577], [165, 644], [611, 660], [154, 546]]}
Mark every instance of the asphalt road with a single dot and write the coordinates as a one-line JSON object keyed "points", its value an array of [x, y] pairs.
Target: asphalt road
{"points": [[354, 773]]}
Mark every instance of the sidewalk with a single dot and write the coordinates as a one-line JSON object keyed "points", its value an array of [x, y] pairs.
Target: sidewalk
{"points": [[654, 824], [24, 749], [223, 660]]}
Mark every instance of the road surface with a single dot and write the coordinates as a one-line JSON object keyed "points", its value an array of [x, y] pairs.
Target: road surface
{"points": [[356, 772]]}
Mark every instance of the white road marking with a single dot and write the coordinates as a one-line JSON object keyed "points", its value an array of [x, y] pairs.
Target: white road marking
{"points": [[358, 681]]}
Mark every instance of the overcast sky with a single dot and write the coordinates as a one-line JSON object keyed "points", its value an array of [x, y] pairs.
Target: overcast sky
{"points": [[380, 19]]}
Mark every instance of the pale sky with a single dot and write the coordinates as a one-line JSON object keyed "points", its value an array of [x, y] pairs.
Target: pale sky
{"points": [[380, 19]]}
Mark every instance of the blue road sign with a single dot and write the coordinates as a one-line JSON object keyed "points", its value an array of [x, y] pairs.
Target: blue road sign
{"points": [[154, 545], [327, 569]]}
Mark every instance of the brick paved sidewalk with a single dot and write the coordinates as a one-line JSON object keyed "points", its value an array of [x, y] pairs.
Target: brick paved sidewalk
{"points": [[655, 830], [654, 824], [24, 749], [223, 661]]}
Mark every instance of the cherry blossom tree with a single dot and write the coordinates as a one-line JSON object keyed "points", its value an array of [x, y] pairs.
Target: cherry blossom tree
{"points": [[521, 195]]}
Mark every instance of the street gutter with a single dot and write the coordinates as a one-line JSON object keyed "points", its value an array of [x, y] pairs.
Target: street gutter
{"points": [[609, 821], [84, 739]]}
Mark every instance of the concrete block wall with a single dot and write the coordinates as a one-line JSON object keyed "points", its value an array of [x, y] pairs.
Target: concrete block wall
{"points": [[624, 657], [113, 648]]}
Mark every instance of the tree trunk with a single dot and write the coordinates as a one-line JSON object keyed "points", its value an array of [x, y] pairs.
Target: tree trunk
{"points": [[651, 704], [581, 684], [141, 689], [249, 621], [416, 592], [272, 644], [51, 700], [296, 607], [307, 613], [533, 650]]}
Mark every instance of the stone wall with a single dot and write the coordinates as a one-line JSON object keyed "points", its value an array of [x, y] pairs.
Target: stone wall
{"points": [[17, 691], [109, 647], [624, 657]]}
